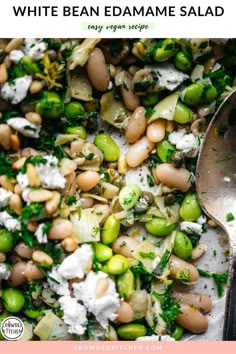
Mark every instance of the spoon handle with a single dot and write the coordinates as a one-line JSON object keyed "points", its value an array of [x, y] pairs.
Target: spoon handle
{"points": [[229, 332]]}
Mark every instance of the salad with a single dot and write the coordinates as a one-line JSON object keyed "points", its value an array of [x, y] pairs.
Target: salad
{"points": [[100, 223]]}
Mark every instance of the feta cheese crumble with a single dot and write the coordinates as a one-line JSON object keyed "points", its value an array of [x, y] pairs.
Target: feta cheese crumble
{"points": [[40, 235], [74, 315], [9, 222], [4, 197], [77, 264], [190, 227], [184, 142], [34, 48], [4, 272], [25, 127], [168, 77], [17, 90], [16, 55], [49, 174], [103, 307], [57, 283]]}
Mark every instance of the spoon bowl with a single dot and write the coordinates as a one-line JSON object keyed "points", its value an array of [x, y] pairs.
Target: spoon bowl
{"points": [[216, 188]]}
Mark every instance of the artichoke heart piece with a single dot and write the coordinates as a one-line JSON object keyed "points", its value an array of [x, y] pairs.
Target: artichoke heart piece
{"points": [[156, 259], [114, 112]]}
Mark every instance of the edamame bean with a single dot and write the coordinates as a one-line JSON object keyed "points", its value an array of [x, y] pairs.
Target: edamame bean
{"points": [[13, 299], [210, 94], [192, 319], [166, 50], [34, 313], [165, 150], [7, 241], [182, 245], [131, 331], [158, 227], [108, 146], [182, 114], [73, 109], [117, 265], [192, 95], [177, 333], [102, 253], [79, 130], [110, 230], [50, 106], [125, 284], [190, 209], [182, 61], [151, 99], [129, 195], [29, 66]]}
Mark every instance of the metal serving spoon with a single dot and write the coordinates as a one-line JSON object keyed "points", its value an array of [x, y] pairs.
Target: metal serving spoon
{"points": [[216, 187]]}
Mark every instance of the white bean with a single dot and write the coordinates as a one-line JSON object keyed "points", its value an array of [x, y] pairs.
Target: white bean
{"points": [[192, 319], [182, 270], [61, 228], [87, 180], [23, 250], [131, 100], [125, 313], [201, 301], [125, 245], [32, 272], [156, 130], [5, 136], [97, 70], [136, 126], [198, 251], [17, 276], [139, 152], [179, 178]]}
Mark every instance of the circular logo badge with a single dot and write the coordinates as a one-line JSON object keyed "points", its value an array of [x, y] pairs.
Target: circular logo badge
{"points": [[12, 328]]}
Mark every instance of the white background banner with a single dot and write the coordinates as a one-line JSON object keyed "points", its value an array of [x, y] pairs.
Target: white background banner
{"points": [[106, 18]]}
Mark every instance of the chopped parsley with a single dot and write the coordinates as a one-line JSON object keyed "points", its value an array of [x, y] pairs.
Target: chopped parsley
{"points": [[71, 200], [230, 217], [6, 166], [163, 263], [219, 278], [149, 112], [170, 307], [33, 209], [142, 86], [150, 181], [150, 255]]}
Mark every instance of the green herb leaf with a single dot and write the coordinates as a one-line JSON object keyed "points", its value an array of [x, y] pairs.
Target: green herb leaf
{"points": [[170, 307], [150, 181], [33, 209], [150, 255], [230, 217]]}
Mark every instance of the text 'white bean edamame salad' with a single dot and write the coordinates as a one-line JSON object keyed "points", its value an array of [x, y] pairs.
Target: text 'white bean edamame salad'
{"points": [[100, 223]]}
